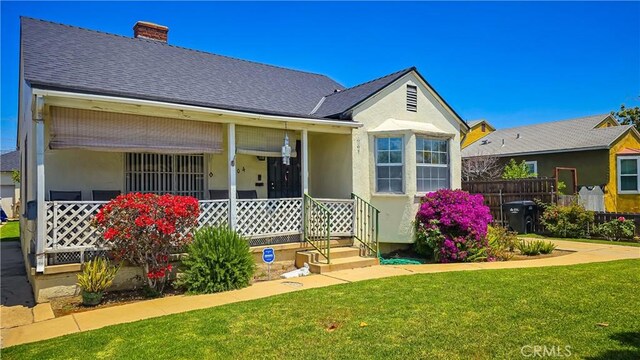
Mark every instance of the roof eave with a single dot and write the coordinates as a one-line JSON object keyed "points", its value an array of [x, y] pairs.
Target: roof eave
{"points": [[217, 111], [400, 76], [631, 129], [543, 152]]}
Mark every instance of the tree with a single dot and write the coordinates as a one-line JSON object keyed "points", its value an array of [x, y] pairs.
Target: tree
{"points": [[628, 116], [514, 170], [482, 167], [15, 176]]}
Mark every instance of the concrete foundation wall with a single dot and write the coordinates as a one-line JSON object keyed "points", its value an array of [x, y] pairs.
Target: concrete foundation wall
{"points": [[60, 280]]}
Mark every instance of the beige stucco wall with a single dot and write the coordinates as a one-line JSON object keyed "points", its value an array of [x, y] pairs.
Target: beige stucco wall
{"points": [[330, 166], [398, 210], [83, 170], [27, 143]]}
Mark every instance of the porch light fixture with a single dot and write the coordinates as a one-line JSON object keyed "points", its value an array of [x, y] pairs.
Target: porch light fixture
{"points": [[286, 149]]}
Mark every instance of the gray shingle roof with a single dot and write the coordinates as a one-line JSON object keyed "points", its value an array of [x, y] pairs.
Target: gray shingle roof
{"points": [[10, 161], [339, 102], [473, 123], [71, 58], [567, 135]]}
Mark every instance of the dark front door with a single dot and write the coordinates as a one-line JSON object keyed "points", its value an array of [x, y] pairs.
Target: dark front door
{"points": [[284, 180]]}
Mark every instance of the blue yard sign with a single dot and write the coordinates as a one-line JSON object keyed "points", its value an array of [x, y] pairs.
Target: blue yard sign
{"points": [[268, 255]]}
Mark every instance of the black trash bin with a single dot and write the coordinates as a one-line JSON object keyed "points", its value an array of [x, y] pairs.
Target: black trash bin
{"points": [[520, 215]]}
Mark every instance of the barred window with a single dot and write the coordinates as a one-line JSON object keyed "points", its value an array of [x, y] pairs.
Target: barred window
{"points": [[165, 174]]}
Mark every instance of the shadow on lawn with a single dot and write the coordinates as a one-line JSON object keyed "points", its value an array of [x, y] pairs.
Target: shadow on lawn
{"points": [[629, 338]]}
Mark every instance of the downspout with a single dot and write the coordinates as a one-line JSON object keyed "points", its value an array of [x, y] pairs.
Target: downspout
{"points": [[38, 118]]}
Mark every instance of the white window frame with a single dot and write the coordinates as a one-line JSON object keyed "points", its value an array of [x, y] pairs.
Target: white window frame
{"points": [[619, 175], [535, 165], [447, 165], [402, 164]]}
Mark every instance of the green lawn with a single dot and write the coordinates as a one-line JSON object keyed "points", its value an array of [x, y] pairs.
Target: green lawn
{"points": [[593, 241], [457, 315], [10, 231]]}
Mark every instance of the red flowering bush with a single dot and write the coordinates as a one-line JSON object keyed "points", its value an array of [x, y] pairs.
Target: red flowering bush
{"points": [[451, 225], [145, 228]]}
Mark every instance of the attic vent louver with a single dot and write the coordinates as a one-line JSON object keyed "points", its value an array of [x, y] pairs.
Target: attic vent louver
{"points": [[412, 98]]}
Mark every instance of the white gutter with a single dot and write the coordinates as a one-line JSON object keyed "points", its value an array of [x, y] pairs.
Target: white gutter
{"points": [[122, 100]]}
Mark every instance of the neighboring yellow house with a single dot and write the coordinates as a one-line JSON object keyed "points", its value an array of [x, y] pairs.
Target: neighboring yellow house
{"points": [[601, 151], [479, 129], [623, 193]]}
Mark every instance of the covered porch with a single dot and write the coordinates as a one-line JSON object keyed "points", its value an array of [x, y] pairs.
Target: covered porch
{"points": [[233, 165]]}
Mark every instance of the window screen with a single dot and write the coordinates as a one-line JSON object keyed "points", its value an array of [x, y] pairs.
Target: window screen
{"points": [[432, 160], [389, 160]]}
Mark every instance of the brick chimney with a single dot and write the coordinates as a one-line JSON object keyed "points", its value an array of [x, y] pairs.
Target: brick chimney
{"points": [[147, 30]]}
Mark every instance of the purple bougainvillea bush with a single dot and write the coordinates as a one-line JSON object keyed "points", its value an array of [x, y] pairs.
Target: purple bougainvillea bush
{"points": [[451, 226]]}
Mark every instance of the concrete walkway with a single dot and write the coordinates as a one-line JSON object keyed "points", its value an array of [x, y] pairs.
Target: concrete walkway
{"points": [[18, 307], [95, 319]]}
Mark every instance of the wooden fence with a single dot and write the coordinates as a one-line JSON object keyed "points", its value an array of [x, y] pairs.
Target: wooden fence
{"points": [[498, 192]]}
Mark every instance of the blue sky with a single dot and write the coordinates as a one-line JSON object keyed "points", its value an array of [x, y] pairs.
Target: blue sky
{"points": [[511, 63]]}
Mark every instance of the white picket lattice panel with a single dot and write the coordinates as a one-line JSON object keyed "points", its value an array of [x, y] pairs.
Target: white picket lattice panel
{"points": [[266, 217], [69, 225], [341, 215], [213, 213]]}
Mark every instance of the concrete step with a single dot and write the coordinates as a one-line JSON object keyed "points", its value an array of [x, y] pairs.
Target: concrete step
{"points": [[343, 264], [313, 256]]}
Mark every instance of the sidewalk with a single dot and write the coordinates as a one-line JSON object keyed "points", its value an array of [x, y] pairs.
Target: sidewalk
{"points": [[50, 328]]}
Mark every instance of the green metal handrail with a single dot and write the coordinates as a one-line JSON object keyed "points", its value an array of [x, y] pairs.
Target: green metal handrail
{"points": [[366, 225], [317, 226]]}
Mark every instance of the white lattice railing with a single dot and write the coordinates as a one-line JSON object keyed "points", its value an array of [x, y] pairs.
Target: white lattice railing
{"points": [[341, 215], [269, 217], [213, 213], [69, 223]]}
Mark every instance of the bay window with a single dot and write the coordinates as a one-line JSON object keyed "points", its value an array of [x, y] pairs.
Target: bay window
{"points": [[389, 164], [432, 164]]}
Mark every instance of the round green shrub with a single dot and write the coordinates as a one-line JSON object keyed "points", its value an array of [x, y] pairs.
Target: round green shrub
{"points": [[218, 260]]}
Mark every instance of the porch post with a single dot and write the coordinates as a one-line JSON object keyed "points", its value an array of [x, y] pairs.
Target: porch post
{"points": [[305, 178], [232, 174], [38, 117], [305, 162]]}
